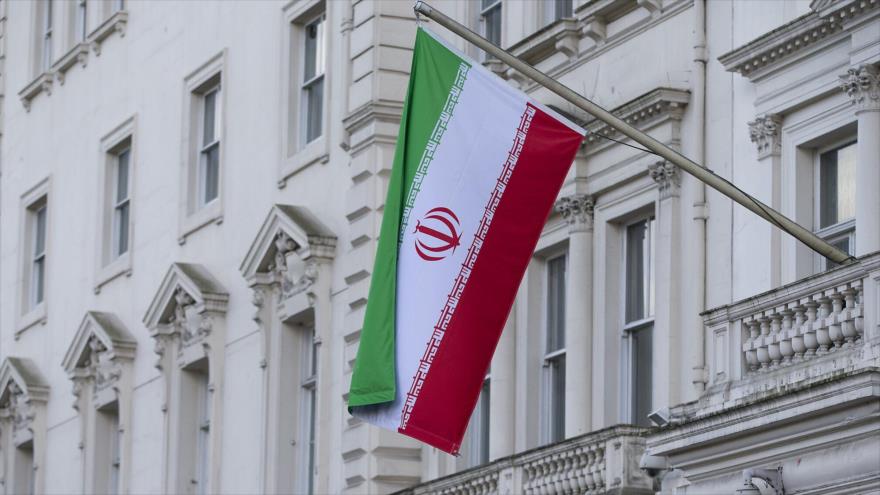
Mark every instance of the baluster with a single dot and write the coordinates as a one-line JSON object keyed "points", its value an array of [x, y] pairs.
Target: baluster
{"points": [[588, 469], [786, 336], [763, 348], [822, 324], [528, 478], [860, 305], [809, 328], [797, 340], [773, 338], [555, 485], [751, 353], [835, 332], [600, 468], [848, 326], [581, 470]]}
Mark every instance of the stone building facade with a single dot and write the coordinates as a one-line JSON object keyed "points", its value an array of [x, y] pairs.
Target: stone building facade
{"points": [[190, 201]]}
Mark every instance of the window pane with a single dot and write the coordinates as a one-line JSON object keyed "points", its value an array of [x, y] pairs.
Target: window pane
{"points": [[484, 423], [212, 173], [39, 277], [40, 231], [210, 102], [204, 431], [844, 244], [846, 182], [314, 109], [557, 405], [641, 374], [115, 455], [636, 237], [122, 229], [828, 189], [492, 21], [562, 8], [122, 176], [313, 56], [555, 304], [81, 20]]}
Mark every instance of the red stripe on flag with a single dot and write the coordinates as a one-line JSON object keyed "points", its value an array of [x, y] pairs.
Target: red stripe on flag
{"points": [[443, 396]]}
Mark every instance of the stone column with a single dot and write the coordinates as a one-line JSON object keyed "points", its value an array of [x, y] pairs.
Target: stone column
{"points": [[577, 210], [765, 132], [862, 85], [667, 345], [502, 396]]}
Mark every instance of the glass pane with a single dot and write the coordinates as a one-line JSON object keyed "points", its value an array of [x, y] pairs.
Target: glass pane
{"points": [[311, 461], [122, 176], [555, 304], [82, 20], [210, 102], [122, 229], [313, 56], [636, 237], [828, 189], [113, 479], [844, 244], [40, 231], [492, 20], [846, 182], [557, 423], [483, 456], [562, 9], [39, 277], [314, 108], [212, 173], [641, 374]]}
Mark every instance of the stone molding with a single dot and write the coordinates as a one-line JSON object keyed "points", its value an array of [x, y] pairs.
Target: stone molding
{"points": [[862, 85], [577, 210], [659, 105], [766, 132], [781, 44], [667, 177]]}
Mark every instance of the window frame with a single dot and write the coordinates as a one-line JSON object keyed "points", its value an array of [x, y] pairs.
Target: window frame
{"points": [[307, 85], [836, 232], [110, 264], [629, 329], [308, 393], [550, 10], [194, 215], [551, 359], [47, 13], [475, 444], [205, 148], [31, 312], [81, 21], [484, 12], [296, 153]]}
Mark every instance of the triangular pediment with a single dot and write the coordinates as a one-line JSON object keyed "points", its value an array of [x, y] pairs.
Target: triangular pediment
{"points": [[204, 293], [24, 375], [107, 329], [292, 229]]}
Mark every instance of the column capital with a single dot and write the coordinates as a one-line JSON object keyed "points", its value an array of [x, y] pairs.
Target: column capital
{"points": [[765, 132], [862, 85], [577, 210], [667, 177]]}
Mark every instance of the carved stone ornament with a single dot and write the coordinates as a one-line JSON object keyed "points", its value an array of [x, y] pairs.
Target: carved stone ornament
{"points": [[20, 408], [765, 132], [577, 210], [667, 176], [862, 85]]}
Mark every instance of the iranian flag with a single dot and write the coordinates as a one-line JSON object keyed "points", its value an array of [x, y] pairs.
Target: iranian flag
{"points": [[476, 170]]}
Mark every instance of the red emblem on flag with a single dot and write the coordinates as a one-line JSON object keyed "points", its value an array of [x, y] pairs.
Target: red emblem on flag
{"points": [[437, 234]]}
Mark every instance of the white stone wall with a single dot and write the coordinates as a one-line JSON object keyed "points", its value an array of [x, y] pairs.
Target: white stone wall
{"points": [[640, 63]]}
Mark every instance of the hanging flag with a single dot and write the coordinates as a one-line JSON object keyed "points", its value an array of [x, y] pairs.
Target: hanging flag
{"points": [[476, 170]]}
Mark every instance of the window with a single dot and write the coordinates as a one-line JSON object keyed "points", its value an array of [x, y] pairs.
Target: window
{"points": [[203, 431], [313, 79], [309, 374], [556, 9], [837, 197], [475, 447], [46, 43], [490, 19], [81, 20], [37, 214], [107, 457], [121, 202], [639, 315], [209, 146], [25, 477], [118, 5], [553, 389]]}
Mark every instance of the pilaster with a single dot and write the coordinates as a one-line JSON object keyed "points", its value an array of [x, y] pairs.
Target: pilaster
{"points": [[766, 132]]}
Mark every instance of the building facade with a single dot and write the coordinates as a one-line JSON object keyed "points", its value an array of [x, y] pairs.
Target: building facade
{"points": [[190, 199]]}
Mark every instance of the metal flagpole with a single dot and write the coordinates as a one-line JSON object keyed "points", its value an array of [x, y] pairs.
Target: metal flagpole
{"points": [[722, 185]]}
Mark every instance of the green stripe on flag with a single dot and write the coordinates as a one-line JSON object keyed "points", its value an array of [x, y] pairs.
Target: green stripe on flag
{"points": [[433, 76]]}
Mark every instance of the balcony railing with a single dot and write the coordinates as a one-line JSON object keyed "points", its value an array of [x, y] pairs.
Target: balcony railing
{"points": [[590, 464]]}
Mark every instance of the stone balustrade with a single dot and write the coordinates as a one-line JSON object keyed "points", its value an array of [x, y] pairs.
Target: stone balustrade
{"points": [[589, 464]]}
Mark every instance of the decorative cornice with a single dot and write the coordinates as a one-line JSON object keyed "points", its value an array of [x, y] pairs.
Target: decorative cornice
{"points": [[661, 103], [577, 210], [185, 286], [667, 177], [41, 84], [78, 54], [560, 36], [807, 30], [862, 85], [116, 23], [765, 132]]}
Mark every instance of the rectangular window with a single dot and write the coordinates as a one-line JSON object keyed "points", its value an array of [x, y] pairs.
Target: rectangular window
{"points": [[308, 389], [477, 438], [314, 56], [25, 478], [115, 455], [490, 19], [639, 315], [81, 20], [557, 9], [837, 198], [38, 219], [554, 352], [203, 432], [209, 146], [118, 5], [121, 202], [46, 43], [107, 454]]}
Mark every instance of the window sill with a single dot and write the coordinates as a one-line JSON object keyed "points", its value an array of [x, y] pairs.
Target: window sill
{"points": [[79, 53], [315, 152], [42, 84], [118, 267], [208, 214], [36, 316], [116, 23]]}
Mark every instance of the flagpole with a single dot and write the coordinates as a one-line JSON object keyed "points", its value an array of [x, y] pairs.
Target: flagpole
{"points": [[717, 182]]}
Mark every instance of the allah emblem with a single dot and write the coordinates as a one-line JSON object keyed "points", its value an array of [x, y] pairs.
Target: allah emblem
{"points": [[437, 234]]}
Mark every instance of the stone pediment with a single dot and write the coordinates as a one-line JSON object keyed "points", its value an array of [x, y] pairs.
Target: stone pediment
{"points": [[101, 333], [286, 230], [185, 287], [20, 376]]}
